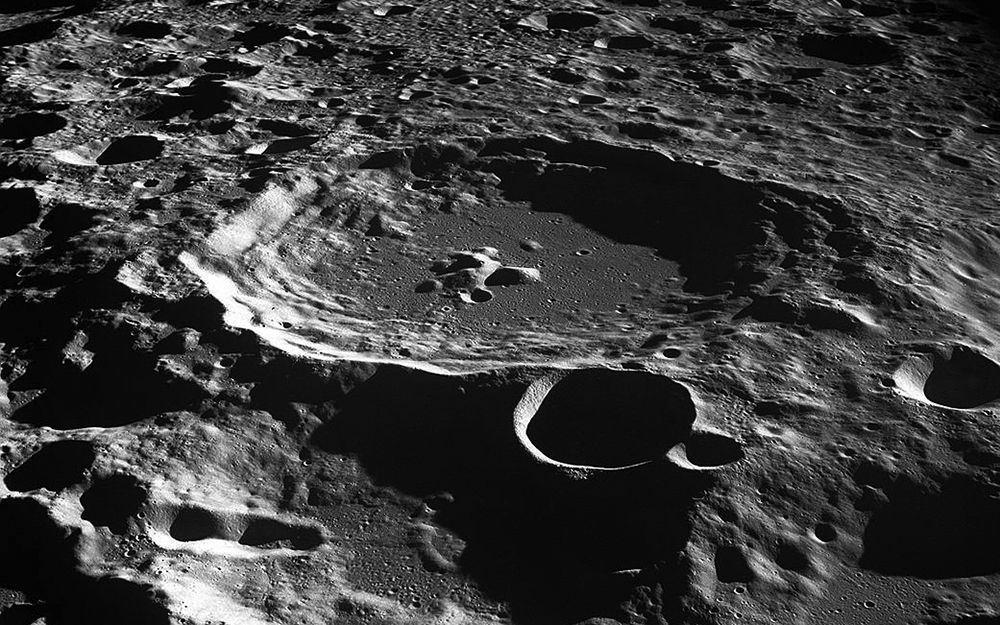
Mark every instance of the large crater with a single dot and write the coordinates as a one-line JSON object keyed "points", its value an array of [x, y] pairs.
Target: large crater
{"points": [[465, 257]]}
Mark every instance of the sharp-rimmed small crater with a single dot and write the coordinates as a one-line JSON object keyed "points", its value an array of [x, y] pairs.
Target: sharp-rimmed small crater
{"points": [[392, 10], [623, 42], [131, 149], [587, 98], [610, 419], [570, 20], [192, 524], [281, 146], [825, 532], [481, 296], [965, 379], [956, 376], [710, 450], [272, 533]]}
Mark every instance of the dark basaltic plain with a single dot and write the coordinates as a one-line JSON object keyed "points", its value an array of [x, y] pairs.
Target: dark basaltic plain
{"points": [[582, 312]]}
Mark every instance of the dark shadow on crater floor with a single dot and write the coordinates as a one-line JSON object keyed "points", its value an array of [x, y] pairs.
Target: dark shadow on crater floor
{"points": [[953, 531], [38, 558], [192, 524], [609, 418], [964, 379], [55, 466], [271, 533], [548, 546], [707, 222], [112, 501], [112, 391], [850, 48]]}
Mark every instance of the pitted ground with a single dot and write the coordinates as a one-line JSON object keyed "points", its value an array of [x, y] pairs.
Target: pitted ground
{"points": [[785, 208]]}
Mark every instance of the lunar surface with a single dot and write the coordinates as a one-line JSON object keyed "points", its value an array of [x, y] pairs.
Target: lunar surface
{"points": [[548, 312]]}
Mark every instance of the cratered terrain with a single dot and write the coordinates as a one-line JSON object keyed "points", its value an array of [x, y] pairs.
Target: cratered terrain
{"points": [[569, 312]]}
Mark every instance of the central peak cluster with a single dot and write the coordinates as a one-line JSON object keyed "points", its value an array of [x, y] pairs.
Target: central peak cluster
{"points": [[467, 275]]}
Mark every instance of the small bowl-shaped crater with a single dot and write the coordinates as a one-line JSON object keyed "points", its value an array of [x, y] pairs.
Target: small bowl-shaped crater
{"points": [[709, 450], [481, 296], [623, 42], [195, 524], [604, 419], [588, 98], [825, 532], [570, 20], [393, 10], [964, 379], [273, 534], [955, 377]]}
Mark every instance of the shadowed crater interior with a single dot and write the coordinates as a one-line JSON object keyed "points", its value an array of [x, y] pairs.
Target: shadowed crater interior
{"points": [[130, 149], [272, 533], [39, 558], [850, 48], [935, 533], [966, 379], [708, 223], [194, 524], [56, 466], [609, 418], [708, 449], [111, 501], [31, 124], [570, 20], [548, 546]]}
